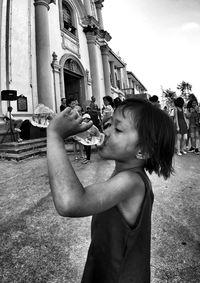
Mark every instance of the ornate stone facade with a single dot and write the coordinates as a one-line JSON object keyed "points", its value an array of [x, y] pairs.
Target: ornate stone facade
{"points": [[55, 49]]}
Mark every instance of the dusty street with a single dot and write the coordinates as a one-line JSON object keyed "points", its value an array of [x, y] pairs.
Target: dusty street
{"points": [[37, 245]]}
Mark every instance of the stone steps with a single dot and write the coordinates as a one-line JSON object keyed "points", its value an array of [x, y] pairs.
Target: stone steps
{"points": [[22, 150], [28, 148]]}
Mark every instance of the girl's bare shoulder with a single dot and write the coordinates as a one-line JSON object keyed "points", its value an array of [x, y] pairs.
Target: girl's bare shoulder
{"points": [[130, 207]]}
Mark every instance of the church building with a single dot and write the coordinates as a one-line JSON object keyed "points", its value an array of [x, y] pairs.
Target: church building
{"points": [[51, 49]]}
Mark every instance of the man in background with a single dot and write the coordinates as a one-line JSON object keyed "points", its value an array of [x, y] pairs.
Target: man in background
{"points": [[15, 123]]}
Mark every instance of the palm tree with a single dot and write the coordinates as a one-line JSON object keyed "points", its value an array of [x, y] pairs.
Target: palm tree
{"points": [[169, 96], [185, 89]]}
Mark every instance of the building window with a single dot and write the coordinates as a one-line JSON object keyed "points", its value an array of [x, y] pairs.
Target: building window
{"points": [[68, 21], [93, 8], [118, 84]]}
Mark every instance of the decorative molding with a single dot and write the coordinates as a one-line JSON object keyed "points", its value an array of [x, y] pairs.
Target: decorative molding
{"points": [[103, 34], [99, 4], [70, 44], [70, 35], [93, 22], [66, 57], [105, 49], [91, 30], [73, 66], [91, 38], [89, 80], [45, 3], [55, 65]]}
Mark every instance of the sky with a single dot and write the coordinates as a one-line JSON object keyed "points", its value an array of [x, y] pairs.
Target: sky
{"points": [[159, 40]]}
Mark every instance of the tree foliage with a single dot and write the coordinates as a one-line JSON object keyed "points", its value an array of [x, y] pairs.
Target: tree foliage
{"points": [[169, 96], [185, 89]]}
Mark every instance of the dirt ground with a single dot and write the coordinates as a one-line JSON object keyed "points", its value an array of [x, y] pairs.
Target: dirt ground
{"points": [[37, 245]]}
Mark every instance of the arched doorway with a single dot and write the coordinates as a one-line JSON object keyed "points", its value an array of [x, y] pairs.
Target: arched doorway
{"points": [[74, 81]]}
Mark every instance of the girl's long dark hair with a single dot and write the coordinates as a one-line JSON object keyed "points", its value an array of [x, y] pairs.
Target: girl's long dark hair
{"points": [[156, 134]]}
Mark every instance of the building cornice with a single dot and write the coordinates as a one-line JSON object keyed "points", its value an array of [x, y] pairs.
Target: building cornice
{"points": [[104, 35], [131, 75], [45, 3], [99, 4]]}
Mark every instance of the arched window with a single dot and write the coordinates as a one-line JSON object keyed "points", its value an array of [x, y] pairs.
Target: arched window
{"points": [[93, 8], [68, 20]]}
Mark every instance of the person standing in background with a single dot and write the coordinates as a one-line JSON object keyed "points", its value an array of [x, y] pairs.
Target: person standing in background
{"points": [[181, 126], [93, 105], [92, 132], [15, 123], [155, 101], [108, 108], [95, 117], [73, 103], [194, 125], [63, 104]]}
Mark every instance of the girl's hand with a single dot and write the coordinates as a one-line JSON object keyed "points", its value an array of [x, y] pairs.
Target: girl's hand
{"points": [[68, 123]]}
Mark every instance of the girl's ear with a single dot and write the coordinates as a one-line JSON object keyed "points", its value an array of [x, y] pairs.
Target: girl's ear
{"points": [[141, 155]]}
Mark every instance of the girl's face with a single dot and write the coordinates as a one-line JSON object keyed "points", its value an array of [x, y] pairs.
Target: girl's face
{"points": [[121, 139], [105, 101], [73, 103], [194, 104]]}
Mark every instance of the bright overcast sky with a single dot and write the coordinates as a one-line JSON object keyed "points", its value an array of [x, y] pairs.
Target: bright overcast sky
{"points": [[159, 40]]}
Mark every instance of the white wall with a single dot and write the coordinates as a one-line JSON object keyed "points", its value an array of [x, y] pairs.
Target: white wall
{"points": [[3, 40], [22, 54]]}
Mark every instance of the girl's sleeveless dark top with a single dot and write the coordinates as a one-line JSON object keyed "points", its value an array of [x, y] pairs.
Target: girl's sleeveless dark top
{"points": [[119, 253]]}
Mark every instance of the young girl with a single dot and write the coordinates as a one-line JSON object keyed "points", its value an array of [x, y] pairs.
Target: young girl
{"points": [[139, 137], [181, 125], [108, 109], [88, 138], [77, 147], [194, 125]]}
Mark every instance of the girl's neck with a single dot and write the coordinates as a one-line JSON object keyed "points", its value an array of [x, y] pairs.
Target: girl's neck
{"points": [[122, 166]]}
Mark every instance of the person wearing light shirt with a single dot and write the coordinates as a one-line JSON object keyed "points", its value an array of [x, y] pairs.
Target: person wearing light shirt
{"points": [[16, 123]]}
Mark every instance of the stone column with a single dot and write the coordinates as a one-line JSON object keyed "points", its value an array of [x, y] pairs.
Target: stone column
{"points": [[87, 5], [1, 8], [99, 6], [43, 57], [132, 86], [94, 70], [106, 69], [120, 78], [112, 70]]}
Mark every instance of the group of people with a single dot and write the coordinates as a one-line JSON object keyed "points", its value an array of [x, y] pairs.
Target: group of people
{"points": [[82, 151], [186, 116]]}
